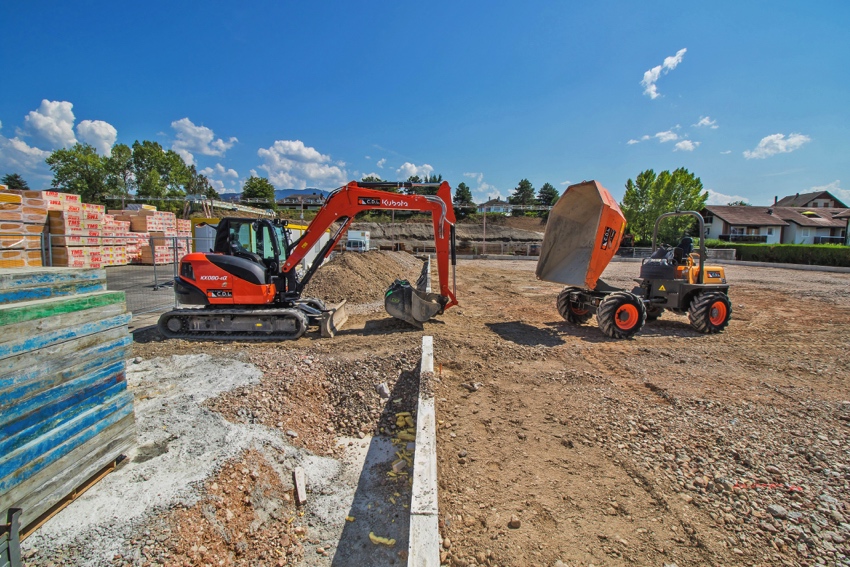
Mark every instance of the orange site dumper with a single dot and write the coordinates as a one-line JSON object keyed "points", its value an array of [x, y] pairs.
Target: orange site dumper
{"points": [[584, 231]]}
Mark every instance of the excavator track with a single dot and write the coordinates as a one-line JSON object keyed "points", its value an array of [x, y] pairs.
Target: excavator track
{"points": [[229, 324]]}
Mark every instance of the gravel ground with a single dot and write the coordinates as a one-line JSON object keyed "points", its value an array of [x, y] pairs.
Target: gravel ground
{"points": [[556, 445]]}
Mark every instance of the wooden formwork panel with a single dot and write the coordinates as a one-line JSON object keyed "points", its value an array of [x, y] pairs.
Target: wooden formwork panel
{"points": [[26, 284], [65, 412]]}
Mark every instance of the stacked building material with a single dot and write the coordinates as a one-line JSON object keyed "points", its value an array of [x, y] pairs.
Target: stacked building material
{"points": [[22, 218], [113, 241], [152, 237], [65, 412]]}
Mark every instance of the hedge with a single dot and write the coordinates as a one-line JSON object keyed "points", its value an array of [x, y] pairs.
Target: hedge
{"points": [[814, 254]]}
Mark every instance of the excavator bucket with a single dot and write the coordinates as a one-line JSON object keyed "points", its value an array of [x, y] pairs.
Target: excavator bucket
{"points": [[407, 303], [333, 319], [583, 233]]}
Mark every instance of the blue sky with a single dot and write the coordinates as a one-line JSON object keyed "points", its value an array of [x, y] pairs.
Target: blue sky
{"points": [[753, 97]]}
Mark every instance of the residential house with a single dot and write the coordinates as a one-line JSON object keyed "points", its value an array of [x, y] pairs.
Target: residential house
{"points": [[306, 201], [777, 225], [845, 216], [495, 206], [816, 200], [743, 224]]}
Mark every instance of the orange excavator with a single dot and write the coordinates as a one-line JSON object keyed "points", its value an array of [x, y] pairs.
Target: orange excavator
{"points": [[250, 285]]}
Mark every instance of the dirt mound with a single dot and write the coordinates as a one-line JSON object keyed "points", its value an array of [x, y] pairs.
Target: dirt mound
{"points": [[361, 278]]}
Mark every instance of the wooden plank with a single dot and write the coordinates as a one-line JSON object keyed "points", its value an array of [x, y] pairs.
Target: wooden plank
{"points": [[62, 391], [32, 458], [46, 418], [54, 306], [52, 371], [38, 493], [300, 486], [28, 338], [16, 369], [64, 502]]}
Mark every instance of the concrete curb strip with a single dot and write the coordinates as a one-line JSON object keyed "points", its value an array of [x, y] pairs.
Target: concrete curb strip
{"points": [[424, 546]]}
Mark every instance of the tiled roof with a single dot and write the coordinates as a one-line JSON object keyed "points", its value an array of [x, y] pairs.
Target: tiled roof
{"points": [[803, 199], [746, 215], [813, 217]]}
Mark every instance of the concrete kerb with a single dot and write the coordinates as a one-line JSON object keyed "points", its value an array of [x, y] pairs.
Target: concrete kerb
{"points": [[424, 542]]}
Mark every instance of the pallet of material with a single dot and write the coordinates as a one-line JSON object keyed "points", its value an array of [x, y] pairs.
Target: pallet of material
{"points": [[65, 412]]}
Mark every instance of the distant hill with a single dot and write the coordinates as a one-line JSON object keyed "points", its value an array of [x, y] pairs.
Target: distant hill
{"points": [[278, 194]]}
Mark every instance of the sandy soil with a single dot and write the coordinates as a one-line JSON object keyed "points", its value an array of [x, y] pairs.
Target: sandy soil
{"points": [[557, 444]]}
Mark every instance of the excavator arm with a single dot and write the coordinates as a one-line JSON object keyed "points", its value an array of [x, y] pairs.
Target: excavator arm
{"points": [[343, 204]]}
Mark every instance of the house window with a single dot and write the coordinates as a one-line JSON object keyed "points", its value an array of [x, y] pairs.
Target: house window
{"points": [[770, 231], [805, 233], [737, 230]]}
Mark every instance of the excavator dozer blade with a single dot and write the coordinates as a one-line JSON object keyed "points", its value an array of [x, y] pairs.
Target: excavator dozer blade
{"points": [[583, 233], [407, 303], [333, 319]]}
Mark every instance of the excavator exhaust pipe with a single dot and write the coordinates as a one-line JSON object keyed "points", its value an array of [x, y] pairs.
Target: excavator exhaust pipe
{"points": [[407, 303], [333, 319]]}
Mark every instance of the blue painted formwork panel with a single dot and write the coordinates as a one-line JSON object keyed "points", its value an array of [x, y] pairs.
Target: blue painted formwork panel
{"points": [[19, 386], [69, 333], [42, 283], [29, 459]]}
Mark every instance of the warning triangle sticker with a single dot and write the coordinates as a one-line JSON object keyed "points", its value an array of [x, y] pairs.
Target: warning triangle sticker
{"points": [[662, 288]]}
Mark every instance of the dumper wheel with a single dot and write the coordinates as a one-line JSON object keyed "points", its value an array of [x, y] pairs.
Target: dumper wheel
{"points": [[621, 315], [653, 312], [570, 310], [710, 312]]}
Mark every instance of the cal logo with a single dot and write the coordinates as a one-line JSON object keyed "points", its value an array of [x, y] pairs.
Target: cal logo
{"points": [[662, 288], [608, 237]]}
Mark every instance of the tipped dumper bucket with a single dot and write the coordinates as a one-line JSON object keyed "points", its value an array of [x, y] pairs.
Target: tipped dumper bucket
{"points": [[583, 233]]}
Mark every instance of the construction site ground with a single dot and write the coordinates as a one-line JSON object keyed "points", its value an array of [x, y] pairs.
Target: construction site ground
{"points": [[555, 443]]}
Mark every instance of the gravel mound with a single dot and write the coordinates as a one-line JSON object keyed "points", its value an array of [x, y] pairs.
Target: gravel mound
{"points": [[361, 277]]}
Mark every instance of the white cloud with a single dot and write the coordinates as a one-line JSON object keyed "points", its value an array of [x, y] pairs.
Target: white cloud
{"points": [[381, 162], [373, 174], [715, 198], [707, 121], [483, 191], [835, 189], [776, 144], [197, 139], [16, 155], [408, 169], [632, 142], [100, 134], [291, 164], [686, 146], [53, 121], [651, 77], [567, 182], [220, 171], [667, 136], [726, 153]]}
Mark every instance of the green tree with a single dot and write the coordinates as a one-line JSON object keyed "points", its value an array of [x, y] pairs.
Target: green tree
{"points": [[523, 194], [14, 181], [371, 179], [547, 195], [120, 181], [651, 195], [463, 195], [738, 204], [260, 189], [81, 170]]}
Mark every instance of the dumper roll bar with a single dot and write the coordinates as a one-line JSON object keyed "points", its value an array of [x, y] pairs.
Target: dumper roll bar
{"points": [[701, 222]]}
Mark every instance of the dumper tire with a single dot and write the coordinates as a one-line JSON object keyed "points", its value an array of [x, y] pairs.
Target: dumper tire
{"points": [[654, 312], [710, 312], [621, 315], [570, 310]]}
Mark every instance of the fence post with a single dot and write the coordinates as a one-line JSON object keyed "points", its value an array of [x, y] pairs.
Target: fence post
{"points": [[153, 258], [49, 250]]}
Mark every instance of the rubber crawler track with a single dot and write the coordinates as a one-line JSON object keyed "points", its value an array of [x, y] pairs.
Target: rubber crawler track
{"points": [[186, 314]]}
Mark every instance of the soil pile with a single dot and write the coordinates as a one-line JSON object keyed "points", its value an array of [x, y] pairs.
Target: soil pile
{"points": [[362, 278]]}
